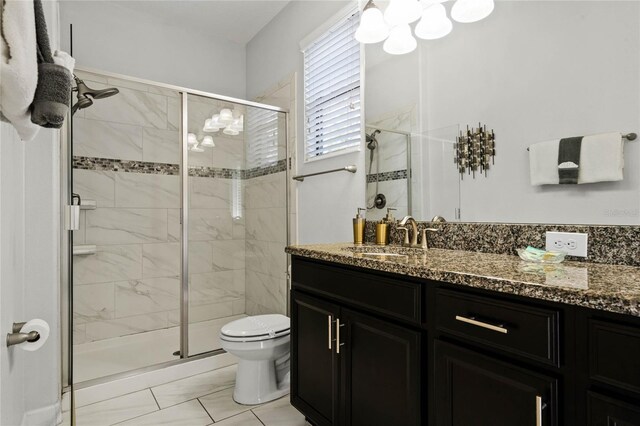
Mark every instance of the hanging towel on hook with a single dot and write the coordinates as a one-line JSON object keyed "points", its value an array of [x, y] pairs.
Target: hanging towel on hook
{"points": [[19, 67], [53, 93]]}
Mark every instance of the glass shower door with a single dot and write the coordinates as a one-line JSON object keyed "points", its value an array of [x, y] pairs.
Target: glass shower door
{"points": [[236, 214], [126, 263]]}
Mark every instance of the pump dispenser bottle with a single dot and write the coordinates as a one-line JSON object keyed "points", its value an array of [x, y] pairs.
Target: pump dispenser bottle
{"points": [[358, 228]]}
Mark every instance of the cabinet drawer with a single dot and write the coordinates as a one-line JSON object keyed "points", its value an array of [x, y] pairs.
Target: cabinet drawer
{"points": [[614, 354], [387, 296], [509, 326]]}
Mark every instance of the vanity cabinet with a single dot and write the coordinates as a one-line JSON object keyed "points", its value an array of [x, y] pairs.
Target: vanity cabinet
{"points": [[351, 364], [440, 354]]}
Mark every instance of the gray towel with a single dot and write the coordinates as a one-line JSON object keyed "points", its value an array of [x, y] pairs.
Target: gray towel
{"points": [[569, 160], [53, 93], [51, 101]]}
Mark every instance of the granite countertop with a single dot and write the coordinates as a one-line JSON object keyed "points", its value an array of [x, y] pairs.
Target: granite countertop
{"points": [[613, 288]]}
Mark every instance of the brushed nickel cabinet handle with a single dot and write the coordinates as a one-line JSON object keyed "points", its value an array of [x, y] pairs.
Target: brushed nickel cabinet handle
{"points": [[338, 344], [330, 321], [539, 411], [477, 323]]}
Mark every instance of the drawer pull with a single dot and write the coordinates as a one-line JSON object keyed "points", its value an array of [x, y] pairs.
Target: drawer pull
{"points": [[539, 408], [330, 332], [475, 322]]}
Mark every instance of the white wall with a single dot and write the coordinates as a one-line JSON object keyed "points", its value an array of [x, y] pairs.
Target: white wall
{"points": [[110, 37], [536, 71], [29, 267], [326, 203]]}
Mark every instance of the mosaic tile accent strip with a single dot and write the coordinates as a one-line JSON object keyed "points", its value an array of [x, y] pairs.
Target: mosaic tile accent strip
{"points": [[386, 176], [216, 172], [612, 244], [115, 165], [279, 166]]}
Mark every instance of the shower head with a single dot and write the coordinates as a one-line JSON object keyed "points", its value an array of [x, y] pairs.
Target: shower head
{"points": [[86, 94], [372, 142]]}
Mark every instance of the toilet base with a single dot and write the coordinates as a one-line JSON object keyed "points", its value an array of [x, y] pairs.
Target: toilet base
{"points": [[256, 383]]}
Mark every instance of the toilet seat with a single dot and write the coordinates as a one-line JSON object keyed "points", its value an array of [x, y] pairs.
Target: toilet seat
{"points": [[256, 328]]}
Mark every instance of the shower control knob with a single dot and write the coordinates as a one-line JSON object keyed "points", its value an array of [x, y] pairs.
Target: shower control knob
{"points": [[380, 201]]}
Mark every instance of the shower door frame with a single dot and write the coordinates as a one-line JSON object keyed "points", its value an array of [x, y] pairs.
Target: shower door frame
{"points": [[66, 264]]}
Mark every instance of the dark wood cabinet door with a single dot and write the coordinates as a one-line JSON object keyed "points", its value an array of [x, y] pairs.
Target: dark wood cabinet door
{"points": [[474, 390], [606, 411], [380, 372], [314, 367]]}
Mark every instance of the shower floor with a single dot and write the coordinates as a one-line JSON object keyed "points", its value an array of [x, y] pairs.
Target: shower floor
{"points": [[120, 354]]}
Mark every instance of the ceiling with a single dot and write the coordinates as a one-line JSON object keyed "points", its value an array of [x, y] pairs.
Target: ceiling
{"points": [[235, 20]]}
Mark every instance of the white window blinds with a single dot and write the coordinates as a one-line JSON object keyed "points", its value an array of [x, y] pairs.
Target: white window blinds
{"points": [[262, 138], [332, 91]]}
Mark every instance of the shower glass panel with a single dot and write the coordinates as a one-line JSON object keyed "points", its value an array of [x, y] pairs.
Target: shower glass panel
{"points": [[237, 216], [126, 273]]}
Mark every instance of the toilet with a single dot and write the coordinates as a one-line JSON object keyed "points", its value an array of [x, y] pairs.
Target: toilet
{"points": [[261, 343]]}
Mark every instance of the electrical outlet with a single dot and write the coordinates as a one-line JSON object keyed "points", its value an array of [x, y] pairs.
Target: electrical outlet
{"points": [[575, 244]]}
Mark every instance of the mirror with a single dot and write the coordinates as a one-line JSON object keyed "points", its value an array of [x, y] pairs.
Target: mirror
{"points": [[532, 71]]}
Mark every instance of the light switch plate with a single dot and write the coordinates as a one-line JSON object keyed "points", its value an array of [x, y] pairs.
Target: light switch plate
{"points": [[573, 243]]}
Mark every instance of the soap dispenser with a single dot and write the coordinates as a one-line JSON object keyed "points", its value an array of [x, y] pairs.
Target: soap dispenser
{"points": [[358, 228], [382, 228]]}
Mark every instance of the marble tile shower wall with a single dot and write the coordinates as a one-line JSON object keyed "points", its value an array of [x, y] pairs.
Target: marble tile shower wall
{"points": [[126, 162], [266, 217], [131, 284], [216, 220]]}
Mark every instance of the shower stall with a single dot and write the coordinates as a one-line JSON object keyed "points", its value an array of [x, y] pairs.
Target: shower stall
{"points": [[182, 223]]}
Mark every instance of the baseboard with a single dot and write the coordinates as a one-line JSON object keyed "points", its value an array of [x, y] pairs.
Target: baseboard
{"points": [[45, 416], [136, 382]]}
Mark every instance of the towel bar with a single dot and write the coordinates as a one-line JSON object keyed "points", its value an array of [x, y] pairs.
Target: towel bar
{"points": [[351, 169], [628, 136]]}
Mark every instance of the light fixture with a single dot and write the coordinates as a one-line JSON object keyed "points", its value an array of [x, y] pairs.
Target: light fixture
{"points": [[402, 12], [192, 140], [230, 131], [372, 28], [400, 40], [467, 11], [226, 116], [434, 23], [207, 142], [197, 148]]}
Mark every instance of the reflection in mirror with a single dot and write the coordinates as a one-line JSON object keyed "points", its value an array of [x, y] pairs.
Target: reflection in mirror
{"points": [[534, 72], [388, 168]]}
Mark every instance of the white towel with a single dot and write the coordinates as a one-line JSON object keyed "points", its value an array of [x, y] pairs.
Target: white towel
{"points": [[601, 160], [64, 59], [19, 67], [543, 163]]}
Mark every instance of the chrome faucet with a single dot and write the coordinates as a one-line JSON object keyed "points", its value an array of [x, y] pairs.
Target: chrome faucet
{"points": [[414, 228]]}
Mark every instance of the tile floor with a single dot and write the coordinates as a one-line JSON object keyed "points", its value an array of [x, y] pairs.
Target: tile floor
{"points": [[199, 400]]}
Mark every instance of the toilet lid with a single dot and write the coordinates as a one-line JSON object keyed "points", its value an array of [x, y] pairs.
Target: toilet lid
{"points": [[257, 326]]}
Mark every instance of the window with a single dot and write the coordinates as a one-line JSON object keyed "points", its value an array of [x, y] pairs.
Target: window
{"points": [[332, 91], [262, 138]]}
